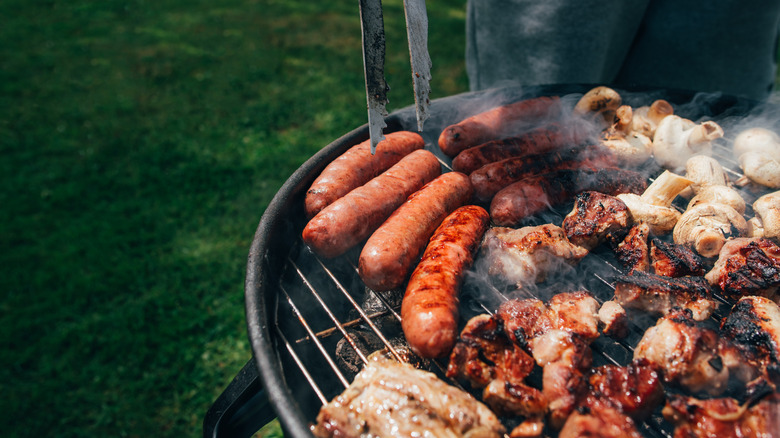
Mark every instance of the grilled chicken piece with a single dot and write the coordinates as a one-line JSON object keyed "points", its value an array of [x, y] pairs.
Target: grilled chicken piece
{"points": [[389, 398], [526, 255], [486, 358], [685, 353], [558, 336], [635, 390], [595, 216], [599, 422], [633, 252], [747, 266], [751, 350], [723, 417], [658, 294], [616, 397], [614, 320], [673, 260]]}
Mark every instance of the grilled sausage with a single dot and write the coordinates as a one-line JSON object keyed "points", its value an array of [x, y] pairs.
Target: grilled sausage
{"points": [[357, 166], [496, 123], [533, 195], [545, 139], [352, 218], [491, 178], [429, 311], [389, 253]]}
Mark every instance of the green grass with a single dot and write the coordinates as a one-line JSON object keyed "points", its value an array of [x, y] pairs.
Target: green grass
{"points": [[141, 142]]}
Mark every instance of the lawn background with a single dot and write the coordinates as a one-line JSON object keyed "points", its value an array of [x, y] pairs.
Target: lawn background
{"points": [[141, 142]]}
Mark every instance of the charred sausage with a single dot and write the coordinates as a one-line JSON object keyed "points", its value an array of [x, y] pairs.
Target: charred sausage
{"points": [[545, 139], [357, 166], [533, 195], [352, 218], [429, 311], [390, 252], [491, 178], [496, 123]]}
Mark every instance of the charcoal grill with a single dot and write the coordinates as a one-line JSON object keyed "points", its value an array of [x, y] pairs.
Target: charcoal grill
{"points": [[312, 322]]}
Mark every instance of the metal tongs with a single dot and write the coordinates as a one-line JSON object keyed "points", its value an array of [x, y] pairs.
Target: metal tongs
{"points": [[373, 28]]}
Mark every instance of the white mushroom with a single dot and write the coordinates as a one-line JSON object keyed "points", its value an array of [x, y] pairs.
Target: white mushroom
{"points": [[706, 227], [767, 209], [756, 140], [761, 168], [677, 139], [755, 228], [719, 194], [704, 171], [602, 101], [654, 205], [647, 118], [631, 148]]}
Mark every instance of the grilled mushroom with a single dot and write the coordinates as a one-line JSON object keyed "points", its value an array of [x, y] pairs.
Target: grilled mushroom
{"points": [[647, 118], [654, 205], [706, 227], [602, 101], [719, 195], [632, 148], [767, 209], [677, 139]]}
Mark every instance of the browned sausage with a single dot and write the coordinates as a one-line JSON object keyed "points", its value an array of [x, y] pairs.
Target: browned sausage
{"points": [[357, 166], [390, 252], [496, 123], [429, 311], [535, 194], [545, 139], [352, 218], [491, 178]]}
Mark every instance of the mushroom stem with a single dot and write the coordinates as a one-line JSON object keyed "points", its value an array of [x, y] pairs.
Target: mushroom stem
{"points": [[704, 133], [658, 110], [665, 188]]}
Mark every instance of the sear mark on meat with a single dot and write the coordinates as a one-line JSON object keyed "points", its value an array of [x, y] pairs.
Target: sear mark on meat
{"points": [[747, 266], [594, 218], [751, 343], [633, 251], [388, 398], [657, 294], [672, 260], [526, 255], [599, 422], [723, 417]]}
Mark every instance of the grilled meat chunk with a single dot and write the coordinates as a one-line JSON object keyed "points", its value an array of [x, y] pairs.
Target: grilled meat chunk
{"points": [[389, 398], [673, 260], [723, 417], [747, 266], [658, 294], [614, 319], [595, 216], [633, 252], [599, 422], [751, 347], [574, 312], [685, 353], [486, 358], [634, 390], [526, 255]]}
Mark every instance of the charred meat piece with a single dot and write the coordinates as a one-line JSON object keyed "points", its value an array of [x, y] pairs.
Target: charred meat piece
{"points": [[526, 255], [685, 353], [723, 417], [747, 266], [389, 398], [599, 422], [751, 350], [633, 252], [613, 319], [558, 336], [486, 358], [634, 390], [673, 260], [595, 216], [658, 294]]}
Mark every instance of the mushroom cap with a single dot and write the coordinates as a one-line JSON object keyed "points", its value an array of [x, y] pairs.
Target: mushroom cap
{"points": [[660, 219], [761, 168], [706, 227], [717, 194], [671, 145], [756, 140]]}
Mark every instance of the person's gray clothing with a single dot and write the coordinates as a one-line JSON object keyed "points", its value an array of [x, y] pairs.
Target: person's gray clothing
{"points": [[705, 45]]}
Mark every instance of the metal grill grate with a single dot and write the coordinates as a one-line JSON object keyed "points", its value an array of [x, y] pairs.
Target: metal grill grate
{"points": [[327, 321]]}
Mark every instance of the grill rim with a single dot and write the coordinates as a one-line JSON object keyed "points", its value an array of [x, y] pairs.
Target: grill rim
{"points": [[262, 277]]}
